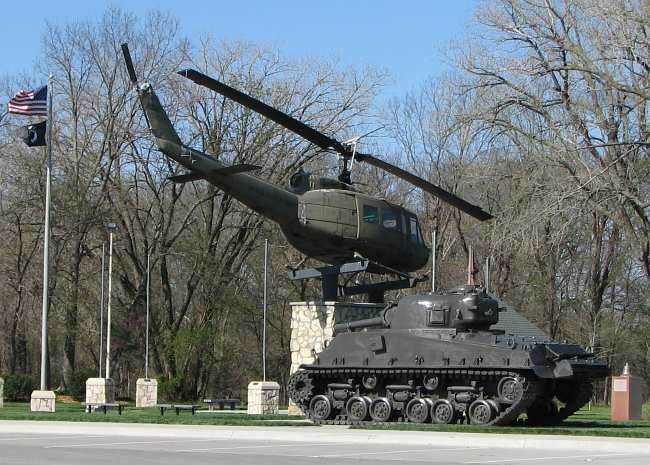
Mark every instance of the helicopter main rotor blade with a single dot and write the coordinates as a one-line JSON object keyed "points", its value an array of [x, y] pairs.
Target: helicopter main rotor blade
{"points": [[129, 63], [426, 186], [327, 143], [300, 128]]}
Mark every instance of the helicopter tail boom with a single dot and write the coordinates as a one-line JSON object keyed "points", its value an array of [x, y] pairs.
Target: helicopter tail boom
{"points": [[263, 197]]}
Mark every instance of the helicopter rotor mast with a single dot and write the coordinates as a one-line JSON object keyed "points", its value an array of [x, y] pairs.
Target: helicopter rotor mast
{"points": [[328, 143]]}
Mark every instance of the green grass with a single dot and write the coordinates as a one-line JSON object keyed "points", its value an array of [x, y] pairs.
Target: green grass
{"points": [[594, 422], [74, 412]]}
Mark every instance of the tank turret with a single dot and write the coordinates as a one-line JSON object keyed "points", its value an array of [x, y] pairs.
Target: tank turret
{"points": [[467, 308]]}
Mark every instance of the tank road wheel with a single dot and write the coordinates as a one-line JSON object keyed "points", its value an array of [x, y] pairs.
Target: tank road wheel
{"points": [[300, 387], [369, 382], [417, 411], [320, 408], [510, 390], [480, 412], [381, 409], [430, 382], [443, 412], [357, 408]]}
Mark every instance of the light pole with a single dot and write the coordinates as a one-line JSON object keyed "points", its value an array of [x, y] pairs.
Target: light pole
{"points": [[101, 312], [146, 350], [111, 228], [266, 258]]}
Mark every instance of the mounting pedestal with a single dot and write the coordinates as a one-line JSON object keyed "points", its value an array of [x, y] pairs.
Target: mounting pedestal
{"points": [[331, 290]]}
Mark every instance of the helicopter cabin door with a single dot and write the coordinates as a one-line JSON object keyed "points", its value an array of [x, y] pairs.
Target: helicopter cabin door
{"points": [[331, 212]]}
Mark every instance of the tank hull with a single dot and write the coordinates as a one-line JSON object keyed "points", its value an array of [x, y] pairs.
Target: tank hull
{"points": [[442, 376]]}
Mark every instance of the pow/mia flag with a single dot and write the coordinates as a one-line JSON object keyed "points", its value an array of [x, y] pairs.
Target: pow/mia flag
{"points": [[34, 134]]}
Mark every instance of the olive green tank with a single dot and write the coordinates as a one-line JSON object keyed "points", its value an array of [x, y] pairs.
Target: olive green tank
{"points": [[437, 358]]}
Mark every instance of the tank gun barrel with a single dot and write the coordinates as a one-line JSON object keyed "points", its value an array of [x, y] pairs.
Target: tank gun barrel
{"points": [[378, 321]]}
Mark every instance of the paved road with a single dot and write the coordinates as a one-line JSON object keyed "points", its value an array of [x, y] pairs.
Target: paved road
{"points": [[72, 444]]}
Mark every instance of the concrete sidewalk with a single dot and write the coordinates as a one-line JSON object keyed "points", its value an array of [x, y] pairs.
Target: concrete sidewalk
{"points": [[333, 434]]}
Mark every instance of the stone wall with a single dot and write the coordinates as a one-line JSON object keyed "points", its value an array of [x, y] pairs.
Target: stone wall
{"points": [[312, 328], [2, 392]]}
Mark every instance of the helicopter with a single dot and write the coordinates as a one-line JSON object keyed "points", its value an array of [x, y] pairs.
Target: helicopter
{"points": [[324, 218]]}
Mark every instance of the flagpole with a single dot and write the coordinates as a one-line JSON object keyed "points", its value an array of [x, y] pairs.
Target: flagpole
{"points": [[46, 245]]}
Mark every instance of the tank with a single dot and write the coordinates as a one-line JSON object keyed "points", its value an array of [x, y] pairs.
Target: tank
{"points": [[437, 358]]}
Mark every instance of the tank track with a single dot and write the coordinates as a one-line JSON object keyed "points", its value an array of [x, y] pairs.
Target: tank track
{"points": [[531, 387], [574, 395]]}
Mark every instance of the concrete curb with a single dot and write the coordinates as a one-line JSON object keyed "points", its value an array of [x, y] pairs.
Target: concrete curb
{"points": [[333, 434]]}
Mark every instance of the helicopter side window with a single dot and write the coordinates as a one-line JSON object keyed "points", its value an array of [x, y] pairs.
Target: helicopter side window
{"points": [[413, 229], [390, 220], [370, 214]]}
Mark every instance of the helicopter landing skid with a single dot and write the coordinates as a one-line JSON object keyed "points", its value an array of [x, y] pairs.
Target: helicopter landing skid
{"points": [[332, 291]]}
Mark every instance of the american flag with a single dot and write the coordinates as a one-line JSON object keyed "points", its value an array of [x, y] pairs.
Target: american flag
{"points": [[30, 102]]}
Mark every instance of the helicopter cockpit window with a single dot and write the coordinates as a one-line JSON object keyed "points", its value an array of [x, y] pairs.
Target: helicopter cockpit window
{"points": [[390, 220], [414, 230], [370, 214]]}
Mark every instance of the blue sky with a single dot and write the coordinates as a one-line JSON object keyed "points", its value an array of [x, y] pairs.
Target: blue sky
{"points": [[403, 37]]}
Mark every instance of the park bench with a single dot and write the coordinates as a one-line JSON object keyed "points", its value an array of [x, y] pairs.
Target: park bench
{"points": [[177, 407], [90, 407], [221, 403]]}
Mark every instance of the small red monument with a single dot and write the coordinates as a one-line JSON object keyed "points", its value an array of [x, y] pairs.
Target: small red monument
{"points": [[626, 396]]}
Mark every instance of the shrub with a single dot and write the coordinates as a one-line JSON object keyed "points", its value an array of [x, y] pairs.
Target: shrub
{"points": [[77, 384], [168, 389], [19, 388]]}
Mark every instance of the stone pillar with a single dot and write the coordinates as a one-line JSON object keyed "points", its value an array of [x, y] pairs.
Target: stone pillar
{"points": [[312, 328], [146, 392], [626, 396], [100, 391], [43, 401], [263, 397], [2, 392]]}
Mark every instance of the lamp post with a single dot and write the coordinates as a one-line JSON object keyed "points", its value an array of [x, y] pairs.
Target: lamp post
{"points": [[146, 350], [101, 312], [111, 228], [266, 258]]}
